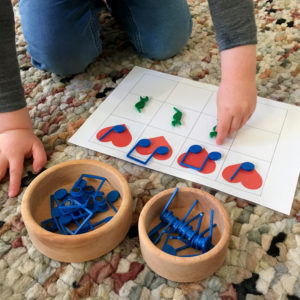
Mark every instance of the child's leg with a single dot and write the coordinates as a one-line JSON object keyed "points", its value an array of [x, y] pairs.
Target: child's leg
{"points": [[63, 36], [157, 29]]}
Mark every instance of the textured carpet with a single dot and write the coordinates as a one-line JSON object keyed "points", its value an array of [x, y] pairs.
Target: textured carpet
{"points": [[263, 260]]}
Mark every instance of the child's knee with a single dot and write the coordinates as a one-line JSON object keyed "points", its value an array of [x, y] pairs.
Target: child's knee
{"points": [[61, 60], [163, 48], [62, 36], [165, 44]]}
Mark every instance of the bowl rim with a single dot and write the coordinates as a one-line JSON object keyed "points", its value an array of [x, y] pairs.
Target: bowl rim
{"points": [[157, 252], [42, 233]]}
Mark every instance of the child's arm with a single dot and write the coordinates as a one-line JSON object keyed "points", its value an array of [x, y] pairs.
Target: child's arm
{"points": [[17, 141], [236, 98], [235, 28]]}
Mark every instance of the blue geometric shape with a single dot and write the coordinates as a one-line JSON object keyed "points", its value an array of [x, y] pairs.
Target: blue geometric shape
{"points": [[78, 207], [171, 224], [111, 197], [212, 156], [162, 150], [60, 194], [195, 149], [246, 166], [89, 189], [116, 128]]}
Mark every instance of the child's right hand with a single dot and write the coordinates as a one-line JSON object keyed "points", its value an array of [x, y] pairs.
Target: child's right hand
{"points": [[17, 142]]}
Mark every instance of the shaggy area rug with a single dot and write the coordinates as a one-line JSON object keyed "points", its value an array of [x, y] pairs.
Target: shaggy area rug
{"points": [[263, 260]]}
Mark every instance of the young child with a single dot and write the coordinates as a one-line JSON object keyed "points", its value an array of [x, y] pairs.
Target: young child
{"points": [[64, 37]]}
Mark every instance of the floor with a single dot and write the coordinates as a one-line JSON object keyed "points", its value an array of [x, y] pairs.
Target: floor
{"points": [[263, 260]]}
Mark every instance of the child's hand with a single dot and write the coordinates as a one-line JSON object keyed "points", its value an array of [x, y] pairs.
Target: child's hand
{"points": [[17, 141], [236, 98], [236, 102]]}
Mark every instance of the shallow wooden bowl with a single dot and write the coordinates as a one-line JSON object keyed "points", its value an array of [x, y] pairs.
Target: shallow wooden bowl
{"points": [[80, 247], [185, 269]]}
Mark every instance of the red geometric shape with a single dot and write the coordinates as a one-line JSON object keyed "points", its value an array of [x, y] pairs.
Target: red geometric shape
{"points": [[155, 142], [196, 160], [249, 179], [122, 139]]}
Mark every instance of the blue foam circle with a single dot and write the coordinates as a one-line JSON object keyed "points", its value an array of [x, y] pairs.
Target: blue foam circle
{"points": [[119, 128], [162, 150], [247, 166], [112, 196], [214, 155], [195, 149], [144, 143], [60, 194]]}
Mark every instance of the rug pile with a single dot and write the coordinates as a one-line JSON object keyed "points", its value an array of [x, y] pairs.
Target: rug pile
{"points": [[263, 261]]}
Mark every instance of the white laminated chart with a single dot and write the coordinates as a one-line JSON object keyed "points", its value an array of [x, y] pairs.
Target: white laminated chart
{"points": [[260, 163]]}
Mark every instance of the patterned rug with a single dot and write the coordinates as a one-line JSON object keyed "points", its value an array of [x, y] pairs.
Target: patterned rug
{"points": [[263, 260]]}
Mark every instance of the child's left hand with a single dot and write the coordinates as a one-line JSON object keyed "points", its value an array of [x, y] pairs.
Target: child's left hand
{"points": [[236, 102]]}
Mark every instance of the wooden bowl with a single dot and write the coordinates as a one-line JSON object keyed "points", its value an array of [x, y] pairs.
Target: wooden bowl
{"points": [[80, 247], [185, 269]]}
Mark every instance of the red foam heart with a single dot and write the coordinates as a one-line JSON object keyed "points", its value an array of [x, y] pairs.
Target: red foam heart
{"points": [[122, 139], [249, 179], [155, 142], [196, 160]]}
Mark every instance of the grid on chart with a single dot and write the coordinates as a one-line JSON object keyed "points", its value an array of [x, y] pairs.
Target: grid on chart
{"points": [[198, 105]]}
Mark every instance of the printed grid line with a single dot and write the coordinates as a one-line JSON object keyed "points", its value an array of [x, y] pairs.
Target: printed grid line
{"points": [[286, 112], [251, 126]]}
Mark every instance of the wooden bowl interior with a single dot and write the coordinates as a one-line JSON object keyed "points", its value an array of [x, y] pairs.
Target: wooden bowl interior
{"points": [[181, 203]]}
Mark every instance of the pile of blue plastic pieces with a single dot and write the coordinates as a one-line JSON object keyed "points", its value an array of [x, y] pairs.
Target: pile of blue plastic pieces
{"points": [[72, 211], [180, 229]]}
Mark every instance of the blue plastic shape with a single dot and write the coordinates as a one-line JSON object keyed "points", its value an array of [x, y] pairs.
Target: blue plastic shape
{"points": [[195, 149], [171, 224], [49, 225], [161, 150], [84, 221], [99, 203], [112, 197], [246, 166], [60, 194], [78, 207], [89, 189], [116, 128]]}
